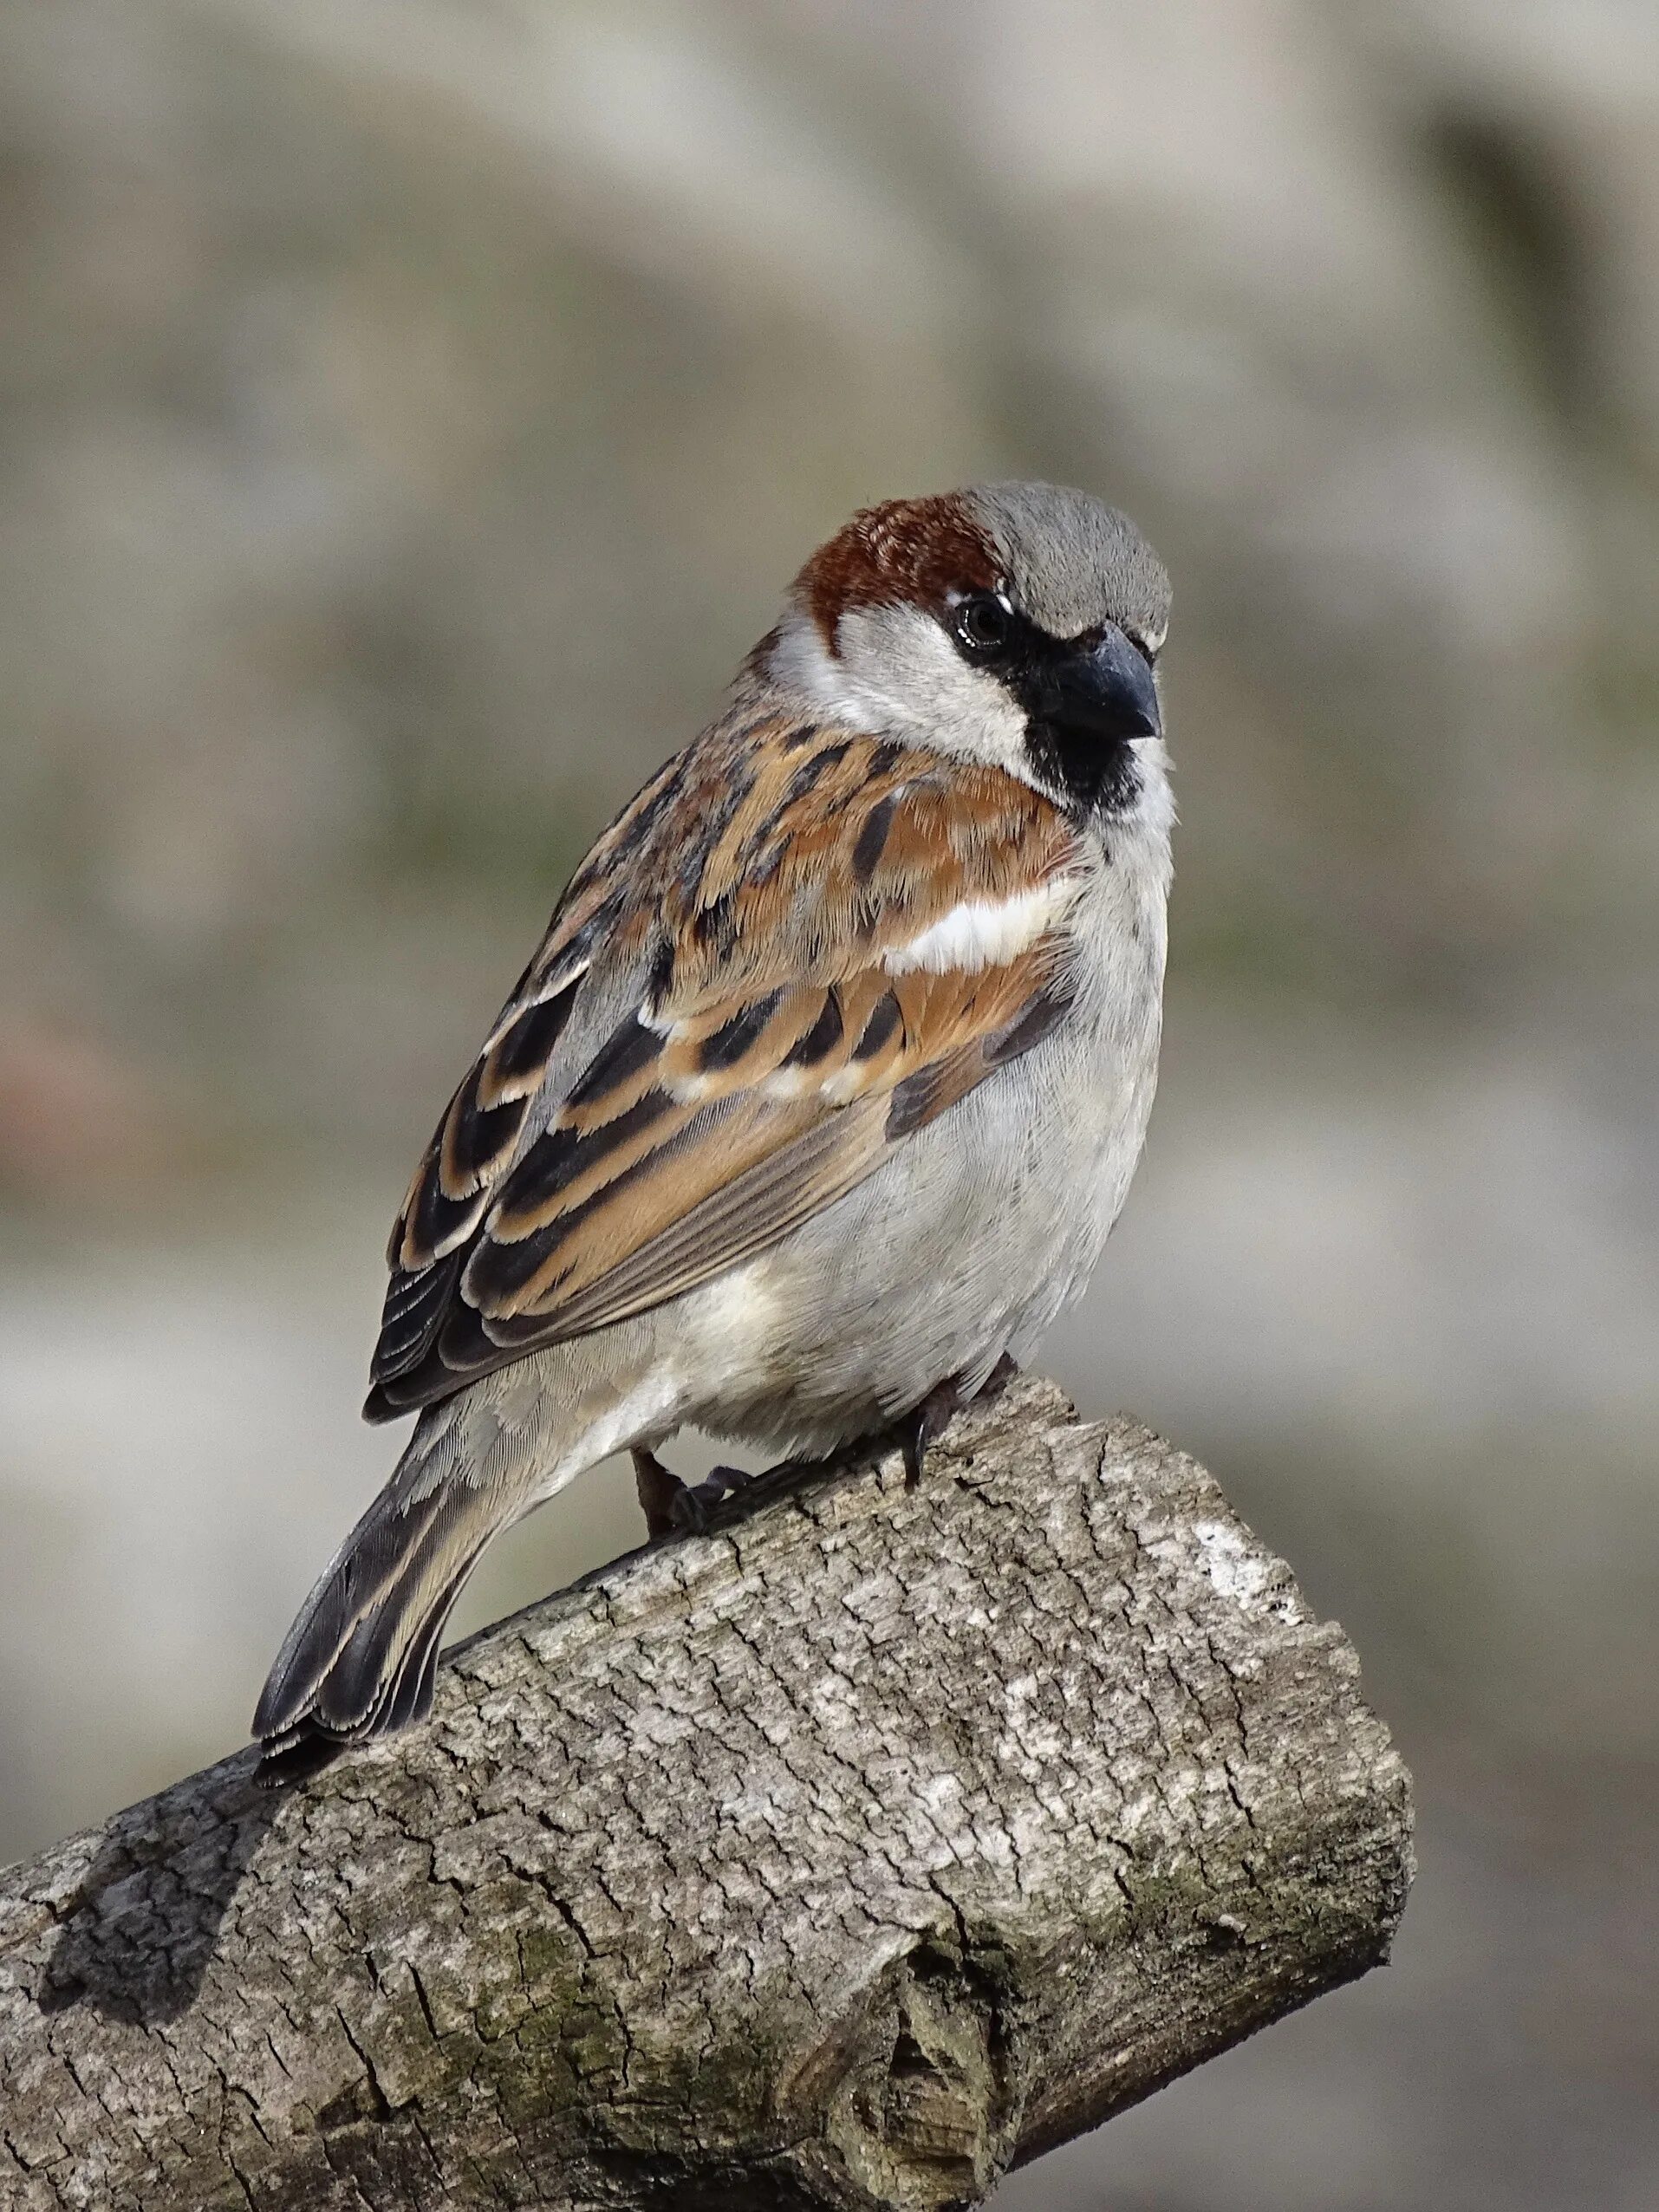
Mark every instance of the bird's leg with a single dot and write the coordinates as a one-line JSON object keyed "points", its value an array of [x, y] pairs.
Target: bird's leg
{"points": [[998, 1381], [659, 1488]]}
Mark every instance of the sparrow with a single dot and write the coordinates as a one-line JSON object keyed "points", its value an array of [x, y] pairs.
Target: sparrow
{"points": [[826, 1085]]}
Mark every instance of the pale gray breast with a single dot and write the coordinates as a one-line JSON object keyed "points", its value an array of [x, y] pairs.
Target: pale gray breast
{"points": [[980, 1228]]}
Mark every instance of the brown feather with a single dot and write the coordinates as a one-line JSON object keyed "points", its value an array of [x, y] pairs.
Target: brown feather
{"points": [[914, 550], [763, 878]]}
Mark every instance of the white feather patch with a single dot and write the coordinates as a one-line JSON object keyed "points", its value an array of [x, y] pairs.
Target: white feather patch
{"points": [[984, 932]]}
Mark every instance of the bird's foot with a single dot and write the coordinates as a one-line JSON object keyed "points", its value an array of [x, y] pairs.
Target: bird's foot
{"points": [[675, 1508], [928, 1422], [698, 1501]]}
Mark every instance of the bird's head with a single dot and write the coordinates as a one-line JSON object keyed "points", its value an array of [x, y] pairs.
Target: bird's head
{"points": [[1017, 624]]}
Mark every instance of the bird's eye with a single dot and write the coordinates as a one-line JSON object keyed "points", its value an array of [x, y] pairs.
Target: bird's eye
{"points": [[983, 624]]}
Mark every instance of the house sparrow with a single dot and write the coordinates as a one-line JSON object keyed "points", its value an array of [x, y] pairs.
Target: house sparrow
{"points": [[824, 1087]]}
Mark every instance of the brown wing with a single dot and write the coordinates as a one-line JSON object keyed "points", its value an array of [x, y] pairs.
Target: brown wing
{"points": [[790, 1031]]}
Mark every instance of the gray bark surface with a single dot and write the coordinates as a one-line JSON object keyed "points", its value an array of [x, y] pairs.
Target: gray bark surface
{"points": [[840, 1857]]}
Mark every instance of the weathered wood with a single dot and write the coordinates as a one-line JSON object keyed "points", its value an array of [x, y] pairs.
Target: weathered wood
{"points": [[838, 1858]]}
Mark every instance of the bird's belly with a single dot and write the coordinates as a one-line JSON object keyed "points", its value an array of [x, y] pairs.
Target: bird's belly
{"points": [[962, 1248]]}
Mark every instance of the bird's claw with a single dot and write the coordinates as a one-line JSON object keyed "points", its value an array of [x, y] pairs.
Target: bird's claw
{"points": [[675, 1508], [928, 1422], [925, 1426], [693, 1504]]}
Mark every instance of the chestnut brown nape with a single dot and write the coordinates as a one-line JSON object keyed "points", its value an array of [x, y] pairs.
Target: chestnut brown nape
{"points": [[915, 550]]}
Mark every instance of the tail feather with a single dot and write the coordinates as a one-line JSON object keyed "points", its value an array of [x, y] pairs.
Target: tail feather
{"points": [[362, 1657], [411, 1692]]}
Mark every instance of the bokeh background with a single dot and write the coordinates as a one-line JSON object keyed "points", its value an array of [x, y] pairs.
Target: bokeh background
{"points": [[409, 410]]}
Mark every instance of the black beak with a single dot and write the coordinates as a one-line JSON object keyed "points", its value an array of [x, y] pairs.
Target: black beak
{"points": [[1104, 690], [1086, 700]]}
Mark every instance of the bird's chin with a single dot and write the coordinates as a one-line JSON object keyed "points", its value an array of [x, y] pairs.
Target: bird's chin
{"points": [[1086, 773]]}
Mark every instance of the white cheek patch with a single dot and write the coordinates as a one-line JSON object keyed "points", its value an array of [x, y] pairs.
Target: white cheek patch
{"points": [[897, 672], [984, 933], [802, 658]]}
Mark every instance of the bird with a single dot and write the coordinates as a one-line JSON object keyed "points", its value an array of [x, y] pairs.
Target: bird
{"points": [[819, 1098]]}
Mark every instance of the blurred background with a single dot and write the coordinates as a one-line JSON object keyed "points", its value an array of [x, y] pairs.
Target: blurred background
{"points": [[408, 414]]}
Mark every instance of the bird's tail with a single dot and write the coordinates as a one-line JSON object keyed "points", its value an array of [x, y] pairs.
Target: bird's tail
{"points": [[360, 1660]]}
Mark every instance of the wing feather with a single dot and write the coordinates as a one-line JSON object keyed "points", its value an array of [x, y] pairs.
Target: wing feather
{"points": [[780, 1042]]}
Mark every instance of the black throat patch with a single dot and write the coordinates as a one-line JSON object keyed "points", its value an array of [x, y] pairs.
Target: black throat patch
{"points": [[1084, 766], [1087, 773]]}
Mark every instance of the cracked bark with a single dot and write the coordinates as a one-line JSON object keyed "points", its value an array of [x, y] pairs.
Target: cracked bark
{"points": [[842, 1857]]}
